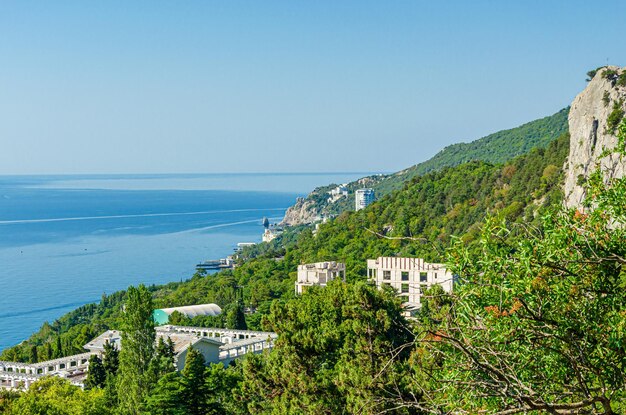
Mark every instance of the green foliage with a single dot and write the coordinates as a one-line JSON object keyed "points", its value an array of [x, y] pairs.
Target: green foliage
{"points": [[592, 73], [163, 360], [502, 146], [621, 81], [56, 396], [194, 383], [138, 337], [166, 397], [96, 376], [615, 117], [235, 317], [332, 355], [606, 98], [111, 359]]}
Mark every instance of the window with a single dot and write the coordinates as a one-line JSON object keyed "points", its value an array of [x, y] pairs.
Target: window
{"points": [[386, 275], [386, 284], [405, 275], [404, 298], [423, 276], [423, 288], [435, 275], [405, 288]]}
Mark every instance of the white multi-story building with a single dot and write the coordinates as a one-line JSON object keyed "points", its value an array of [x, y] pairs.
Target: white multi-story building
{"points": [[409, 276], [363, 198], [319, 273]]}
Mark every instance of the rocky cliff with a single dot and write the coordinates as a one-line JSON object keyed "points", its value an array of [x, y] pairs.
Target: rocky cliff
{"points": [[593, 119], [305, 211]]}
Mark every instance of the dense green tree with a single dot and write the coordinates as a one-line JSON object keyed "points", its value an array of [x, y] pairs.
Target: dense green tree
{"points": [[96, 376], [167, 397], [111, 359], [56, 396], [194, 383], [332, 355], [235, 317], [223, 387], [58, 350], [138, 337], [48, 352], [33, 358], [179, 319], [163, 360]]}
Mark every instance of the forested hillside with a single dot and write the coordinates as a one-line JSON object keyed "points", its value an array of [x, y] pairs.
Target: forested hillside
{"points": [[495, 148]]}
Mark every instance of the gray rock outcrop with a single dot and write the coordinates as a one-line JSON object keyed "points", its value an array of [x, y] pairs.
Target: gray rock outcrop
{"points": [[591, 125], [303, 212]]}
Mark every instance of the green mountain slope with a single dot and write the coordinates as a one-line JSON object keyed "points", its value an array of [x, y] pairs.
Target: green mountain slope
{"points": [[495, 148], [499, 147]]}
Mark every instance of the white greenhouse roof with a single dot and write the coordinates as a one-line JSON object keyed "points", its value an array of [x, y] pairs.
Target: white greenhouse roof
{"points": [[195, 310]]}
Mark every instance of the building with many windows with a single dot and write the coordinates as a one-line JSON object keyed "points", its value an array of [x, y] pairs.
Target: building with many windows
{"points": [[363, 198], [319, 273], [409, 276]]}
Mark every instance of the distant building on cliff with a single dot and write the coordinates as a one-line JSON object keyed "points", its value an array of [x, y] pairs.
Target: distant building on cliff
{"points": [[337, 193], [271, 233], [409, 276], [363, 198], [319, 273]]}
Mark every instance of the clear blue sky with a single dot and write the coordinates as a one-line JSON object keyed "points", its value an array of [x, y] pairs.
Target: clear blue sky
{"points": [[229, 86]]}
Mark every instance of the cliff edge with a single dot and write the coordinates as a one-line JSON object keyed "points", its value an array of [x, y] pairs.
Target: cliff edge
{"points": [[593, 118]]}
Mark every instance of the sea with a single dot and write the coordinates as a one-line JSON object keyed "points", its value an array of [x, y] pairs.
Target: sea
{"points": [[66, 240]]}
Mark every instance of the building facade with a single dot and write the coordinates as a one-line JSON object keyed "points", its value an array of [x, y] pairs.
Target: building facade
{"points": [[319, 273], [363, 198], [411, 277]]}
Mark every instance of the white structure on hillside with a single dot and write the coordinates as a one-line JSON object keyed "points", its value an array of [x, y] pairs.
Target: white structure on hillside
{"points": [[363, 198], [337, 193], [319, 273], [216, 345], [272, 232], [409, 276]]}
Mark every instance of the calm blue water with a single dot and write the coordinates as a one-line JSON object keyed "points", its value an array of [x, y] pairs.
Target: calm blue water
{"points": [[65, 240]]}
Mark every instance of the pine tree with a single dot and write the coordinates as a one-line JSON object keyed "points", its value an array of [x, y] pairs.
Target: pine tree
{"points": [[236, 318], [47, 350], [111, 358], [96, 375], [33, 356], [166, 397], [138, 336], [163, 361], [194, 383], [58, 352]]}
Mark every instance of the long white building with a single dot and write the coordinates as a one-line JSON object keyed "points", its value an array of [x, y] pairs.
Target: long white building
{"points": [[319, 273], [215, 344], [409, 276]]}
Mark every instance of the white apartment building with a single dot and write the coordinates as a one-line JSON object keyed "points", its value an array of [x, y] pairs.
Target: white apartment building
{"points": [[409, 276], [319, 273], [363, 198]]}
